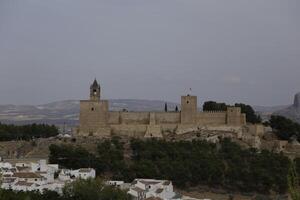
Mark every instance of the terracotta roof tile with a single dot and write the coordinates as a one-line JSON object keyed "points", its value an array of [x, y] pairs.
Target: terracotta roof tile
{"points": [[26, 175]]}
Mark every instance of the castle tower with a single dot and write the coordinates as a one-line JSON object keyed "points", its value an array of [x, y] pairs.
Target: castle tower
{"points": [[188, 109], [235, 117], [95, 91], [93, 113]]}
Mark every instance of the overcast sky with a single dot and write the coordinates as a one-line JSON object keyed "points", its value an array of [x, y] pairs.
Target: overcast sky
{"points": [[229, 51]]}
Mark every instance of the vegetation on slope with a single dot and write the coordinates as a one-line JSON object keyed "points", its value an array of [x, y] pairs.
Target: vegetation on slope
{"points": [[186, 163], [26, 132], [284, 128], [293, 182]]}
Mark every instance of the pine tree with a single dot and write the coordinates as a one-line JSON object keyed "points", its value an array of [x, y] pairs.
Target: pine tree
{"points": [[166, 107]]}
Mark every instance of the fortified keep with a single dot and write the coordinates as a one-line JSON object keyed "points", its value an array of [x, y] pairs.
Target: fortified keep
{"points": [[95, 118]]}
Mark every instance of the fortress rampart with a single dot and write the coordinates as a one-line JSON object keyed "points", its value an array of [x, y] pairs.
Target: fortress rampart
{"points": [[96, 119]]}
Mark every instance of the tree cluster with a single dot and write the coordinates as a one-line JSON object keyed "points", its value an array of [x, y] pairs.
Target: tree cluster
{"points": [[186, 163], [284, 128], [214, 106], [26, 132], [251, 116], [109, 158]]}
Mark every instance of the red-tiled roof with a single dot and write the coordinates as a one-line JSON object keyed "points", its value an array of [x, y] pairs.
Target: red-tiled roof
{"points": [[26, 175], [23, 183]]}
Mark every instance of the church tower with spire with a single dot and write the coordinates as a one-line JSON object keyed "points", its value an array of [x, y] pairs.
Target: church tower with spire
{"points": [[95, 91]]}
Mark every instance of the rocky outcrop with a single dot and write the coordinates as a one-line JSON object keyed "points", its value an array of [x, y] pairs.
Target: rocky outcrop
{"points": [[292, 112]]}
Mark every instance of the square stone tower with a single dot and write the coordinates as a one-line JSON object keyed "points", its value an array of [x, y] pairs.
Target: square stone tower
{"points": [[235, 117], [188, 109], [93, 113]]}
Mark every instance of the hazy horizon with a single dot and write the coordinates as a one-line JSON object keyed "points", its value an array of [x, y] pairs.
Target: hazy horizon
{"points": [[226, 51]]}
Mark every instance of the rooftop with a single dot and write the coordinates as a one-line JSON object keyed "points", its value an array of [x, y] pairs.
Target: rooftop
{"points": [[26, 175]]}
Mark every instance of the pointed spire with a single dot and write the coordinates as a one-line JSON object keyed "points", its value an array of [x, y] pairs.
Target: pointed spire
{"points": [[95, 84]]}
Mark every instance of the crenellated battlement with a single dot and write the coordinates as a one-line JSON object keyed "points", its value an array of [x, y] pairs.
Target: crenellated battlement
{"points": [[214, 111]]}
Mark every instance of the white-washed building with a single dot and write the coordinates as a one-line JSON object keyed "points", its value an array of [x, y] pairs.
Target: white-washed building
{"points": [[39, 176], [119, 184], [84, 173], [142, 189]]}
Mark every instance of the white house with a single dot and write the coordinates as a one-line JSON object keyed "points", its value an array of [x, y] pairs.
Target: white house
{"points": [[39, 176], [29, 177], [83, 173], [5, 165], [25, 181], [119, 184], [56, 186], [65, 175], [7, 181], [145, 188], [24, 186], [44, 169]]}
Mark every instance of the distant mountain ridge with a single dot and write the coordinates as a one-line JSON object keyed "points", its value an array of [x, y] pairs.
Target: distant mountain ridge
{"points": [[68, 111], [289, 111], [269, 109]]}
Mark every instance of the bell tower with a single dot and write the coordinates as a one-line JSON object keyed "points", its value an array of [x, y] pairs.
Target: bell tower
{"points": [[95, 91]]}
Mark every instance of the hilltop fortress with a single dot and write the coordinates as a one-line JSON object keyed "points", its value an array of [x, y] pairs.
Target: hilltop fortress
{"points": [[96, 119], [97, 122]]}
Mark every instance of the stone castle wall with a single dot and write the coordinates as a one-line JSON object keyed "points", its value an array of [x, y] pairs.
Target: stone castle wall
{"points": [[211, 118], [96, 119], [143, 118], [133, 118], [136, 123], [167, 117]]}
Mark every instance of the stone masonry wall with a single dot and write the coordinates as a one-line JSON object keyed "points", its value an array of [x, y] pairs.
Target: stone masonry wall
{"points": [[93, 114], [211, 118]]}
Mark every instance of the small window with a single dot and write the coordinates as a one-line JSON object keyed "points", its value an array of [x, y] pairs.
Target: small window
{"points": [[187, 102], [92, 109]]}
